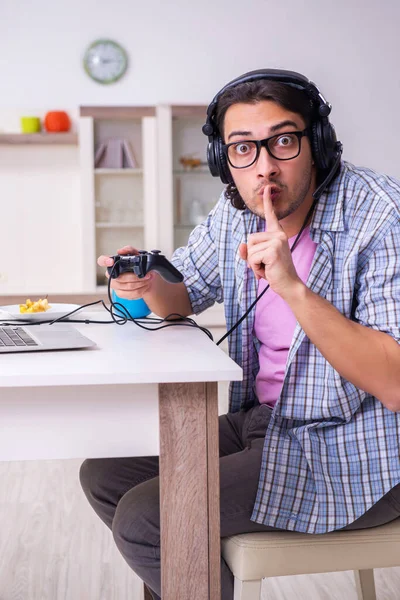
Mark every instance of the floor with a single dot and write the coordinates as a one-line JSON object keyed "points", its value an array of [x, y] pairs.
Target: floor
{"points": [[52, 547]]}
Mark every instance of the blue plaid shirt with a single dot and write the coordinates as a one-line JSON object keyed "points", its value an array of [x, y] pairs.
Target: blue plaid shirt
{"points": [[331, 450]]}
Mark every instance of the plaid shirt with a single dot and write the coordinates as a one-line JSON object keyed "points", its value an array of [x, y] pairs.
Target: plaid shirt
{"points": [[331, 450]]}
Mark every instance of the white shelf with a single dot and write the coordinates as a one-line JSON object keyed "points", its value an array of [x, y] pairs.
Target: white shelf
{"points": [[39, 138], [118, 171], [195, 171], [102, 225]]}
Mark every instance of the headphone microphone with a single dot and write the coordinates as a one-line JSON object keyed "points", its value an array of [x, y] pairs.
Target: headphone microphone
{"points": [[326, 149]]}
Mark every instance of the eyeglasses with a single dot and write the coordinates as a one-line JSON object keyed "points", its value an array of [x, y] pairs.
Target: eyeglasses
{"points": [[284, 146]]}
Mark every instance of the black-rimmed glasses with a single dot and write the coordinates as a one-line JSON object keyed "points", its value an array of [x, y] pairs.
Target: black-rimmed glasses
{"points": [[283, 146]]}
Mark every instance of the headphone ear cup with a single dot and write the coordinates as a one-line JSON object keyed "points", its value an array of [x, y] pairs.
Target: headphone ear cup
{"points": [[224, 171], [211, 159], [323, 144], [330, 143], [217, 161]]}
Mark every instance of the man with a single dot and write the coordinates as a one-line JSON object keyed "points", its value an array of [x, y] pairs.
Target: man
{"points": [[311, 442]]}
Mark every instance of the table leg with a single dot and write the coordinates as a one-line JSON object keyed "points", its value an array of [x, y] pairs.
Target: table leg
{"points": [[189, 488]]}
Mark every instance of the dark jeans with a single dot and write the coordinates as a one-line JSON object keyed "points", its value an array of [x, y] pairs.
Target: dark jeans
{"points": [[124, 492]]}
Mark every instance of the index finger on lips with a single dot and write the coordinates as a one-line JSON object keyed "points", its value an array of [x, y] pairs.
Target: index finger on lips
{"points": [[271, 220]]}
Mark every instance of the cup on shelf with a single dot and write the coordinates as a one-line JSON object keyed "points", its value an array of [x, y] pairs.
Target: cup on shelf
{"points": [[30, 124]]}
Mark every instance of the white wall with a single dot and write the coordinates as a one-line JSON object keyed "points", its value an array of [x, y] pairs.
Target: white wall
{"points": [[182, 51]]}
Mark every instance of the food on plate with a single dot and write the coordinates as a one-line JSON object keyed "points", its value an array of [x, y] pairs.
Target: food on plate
{"points": [[40, 305]]}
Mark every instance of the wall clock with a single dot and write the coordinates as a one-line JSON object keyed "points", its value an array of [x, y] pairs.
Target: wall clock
{"points": [[105, 61]]}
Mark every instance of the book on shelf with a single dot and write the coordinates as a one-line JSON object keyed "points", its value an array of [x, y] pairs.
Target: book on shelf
{"points": [[115, 153]]}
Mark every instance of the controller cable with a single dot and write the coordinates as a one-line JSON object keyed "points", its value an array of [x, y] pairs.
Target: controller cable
{"points": [[171, 320]]}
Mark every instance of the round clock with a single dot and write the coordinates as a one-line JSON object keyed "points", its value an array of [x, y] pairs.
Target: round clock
{"points": [[105, 61]]}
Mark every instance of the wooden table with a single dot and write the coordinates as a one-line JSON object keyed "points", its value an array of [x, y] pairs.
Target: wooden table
{"points": [[137, 393]]}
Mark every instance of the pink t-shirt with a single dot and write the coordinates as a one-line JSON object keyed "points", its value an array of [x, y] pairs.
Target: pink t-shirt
{"points": [[274, 325]]}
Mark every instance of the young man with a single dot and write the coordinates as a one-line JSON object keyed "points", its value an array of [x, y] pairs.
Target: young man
{"points": [[311, 440]]}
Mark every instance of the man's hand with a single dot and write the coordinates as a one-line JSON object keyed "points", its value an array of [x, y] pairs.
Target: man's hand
{"points": [[268, 253], [127, 285]]}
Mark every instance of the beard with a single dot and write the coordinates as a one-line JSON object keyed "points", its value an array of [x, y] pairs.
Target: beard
{"points": [[293, 198]]}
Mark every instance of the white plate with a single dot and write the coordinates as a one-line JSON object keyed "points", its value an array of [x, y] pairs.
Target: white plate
{"points": [[11, 312]]}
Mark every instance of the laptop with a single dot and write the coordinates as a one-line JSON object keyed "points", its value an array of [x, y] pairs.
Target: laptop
{"points": [[18, 338]]}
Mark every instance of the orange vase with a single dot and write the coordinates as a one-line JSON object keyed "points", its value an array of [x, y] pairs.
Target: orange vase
{"points": [[56, 121]]}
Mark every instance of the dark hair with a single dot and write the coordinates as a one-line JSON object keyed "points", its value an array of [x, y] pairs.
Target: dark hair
{"points": [[290, 98]]}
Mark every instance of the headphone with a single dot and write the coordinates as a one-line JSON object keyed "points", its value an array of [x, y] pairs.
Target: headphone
{"points": [[326, 150]]}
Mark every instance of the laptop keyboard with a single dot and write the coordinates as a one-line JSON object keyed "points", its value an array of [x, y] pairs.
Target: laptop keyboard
{"points": [[15, 336]]}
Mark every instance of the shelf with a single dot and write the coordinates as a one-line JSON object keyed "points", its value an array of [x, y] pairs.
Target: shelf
{"points": [[118, 171], [191, 111], [185, 225], [117, 112], [195, 171], [39, 138], [103, 225]]}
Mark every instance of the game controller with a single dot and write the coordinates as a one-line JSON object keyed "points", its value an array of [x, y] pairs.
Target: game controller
{"points": [[143, 263]]}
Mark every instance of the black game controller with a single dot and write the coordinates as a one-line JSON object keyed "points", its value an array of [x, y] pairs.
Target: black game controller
{"points": [[142, 263]]}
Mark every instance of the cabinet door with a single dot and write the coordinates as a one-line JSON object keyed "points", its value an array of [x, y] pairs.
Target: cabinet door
{"points": [[40, 241]]}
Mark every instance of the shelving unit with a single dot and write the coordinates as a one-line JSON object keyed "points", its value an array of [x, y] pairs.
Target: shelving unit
{"points": [[188, 194], [39, 138], [119, 203], [178, 134], [195, 191]]}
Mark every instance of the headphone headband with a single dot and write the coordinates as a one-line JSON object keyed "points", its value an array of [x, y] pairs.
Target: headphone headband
{"points": [[291, 78]]}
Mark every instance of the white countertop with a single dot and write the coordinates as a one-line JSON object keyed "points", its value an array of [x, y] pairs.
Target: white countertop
{"points": [[124, 354]]}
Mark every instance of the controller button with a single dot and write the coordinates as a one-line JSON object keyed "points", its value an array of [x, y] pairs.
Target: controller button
{"points": [[156, 251], [142, 251]]}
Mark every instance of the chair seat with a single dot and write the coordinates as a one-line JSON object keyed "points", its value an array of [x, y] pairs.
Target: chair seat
{"points": [[252, 556]]}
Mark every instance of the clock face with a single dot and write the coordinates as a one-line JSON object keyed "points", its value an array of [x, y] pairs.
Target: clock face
{"points": [[105, 61]]}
